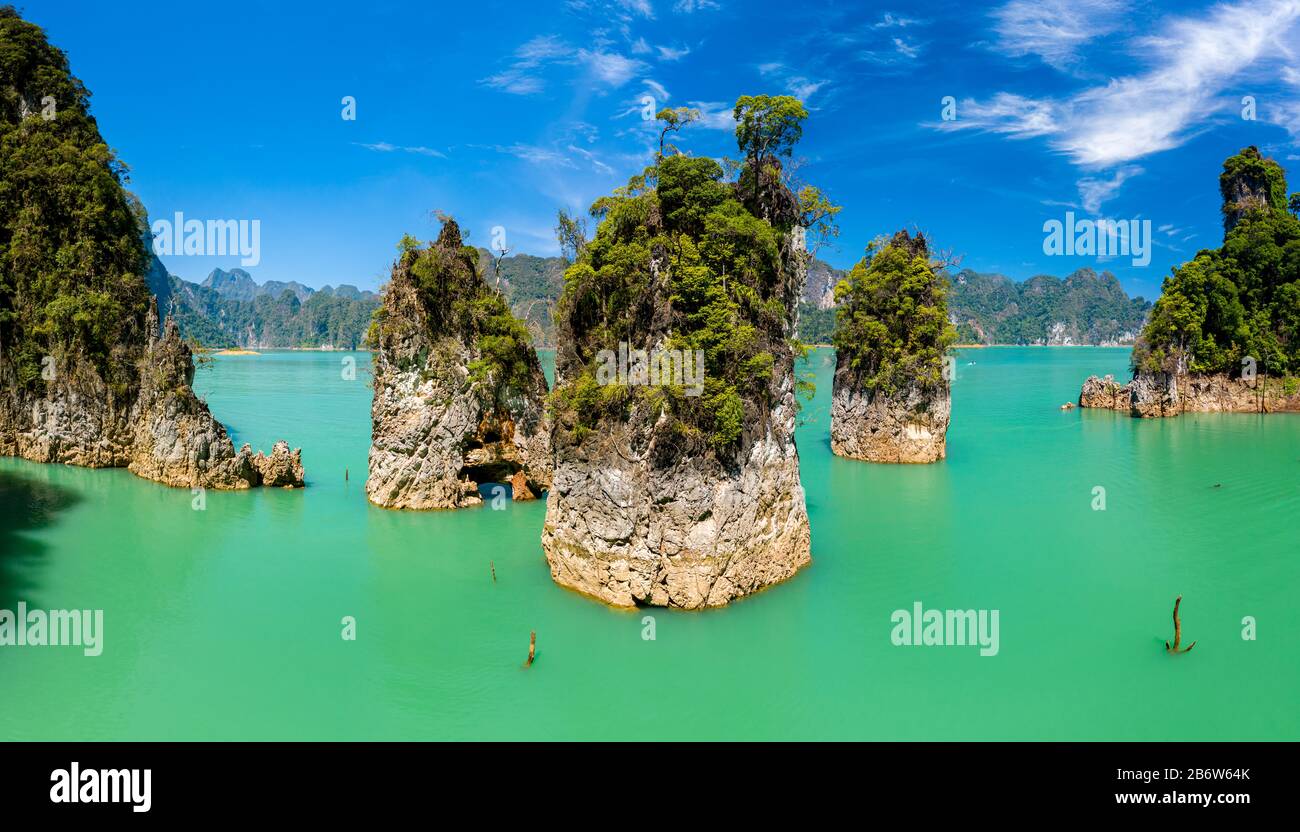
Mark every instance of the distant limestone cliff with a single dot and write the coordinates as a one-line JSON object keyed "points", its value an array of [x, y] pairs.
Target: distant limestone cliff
{"points": [[1225, 334], [88, 374], [1083, 308], [459, 392], [230, 309]]}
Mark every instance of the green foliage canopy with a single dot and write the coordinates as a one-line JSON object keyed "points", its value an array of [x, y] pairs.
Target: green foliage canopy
{"points": [[72, 255], [680, 232], [1241, 299], [892, 317]]}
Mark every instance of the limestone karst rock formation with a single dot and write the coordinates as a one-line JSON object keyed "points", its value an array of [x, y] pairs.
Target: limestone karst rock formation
{"points": [[158, 429], [661, 497], [86, 378], [459, 391], [1223, 335], [892, 398]]}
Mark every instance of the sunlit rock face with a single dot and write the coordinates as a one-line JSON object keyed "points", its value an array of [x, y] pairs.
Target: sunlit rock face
{"points": [[438, 429]]}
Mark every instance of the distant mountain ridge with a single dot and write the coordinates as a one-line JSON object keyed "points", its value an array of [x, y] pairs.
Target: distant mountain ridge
{"points": [[231, 309], [1084, 308]]}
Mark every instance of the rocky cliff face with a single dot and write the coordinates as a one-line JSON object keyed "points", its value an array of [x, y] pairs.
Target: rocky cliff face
{"points": [[819, 286], [157, 427], [1248, 184], [440, 424], [646, 507], [909, 426], [1153, 395]]}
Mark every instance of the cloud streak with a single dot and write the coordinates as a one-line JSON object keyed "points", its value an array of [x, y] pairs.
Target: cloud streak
{"points": [[385, 147], [1192, 61]]}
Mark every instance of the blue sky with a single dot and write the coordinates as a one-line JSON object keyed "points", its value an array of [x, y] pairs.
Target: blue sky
{"points": [[500, 113]]}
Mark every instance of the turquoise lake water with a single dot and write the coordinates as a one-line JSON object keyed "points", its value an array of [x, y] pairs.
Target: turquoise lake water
{"points": [[226, 623]]}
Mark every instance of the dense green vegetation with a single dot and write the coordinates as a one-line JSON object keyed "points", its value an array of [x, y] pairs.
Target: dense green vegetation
{"points": [[1086, 307], [816, 326], [1242, 299], [72, 255], [457, 302], [532, 285], [683, 254], [891, 319]]}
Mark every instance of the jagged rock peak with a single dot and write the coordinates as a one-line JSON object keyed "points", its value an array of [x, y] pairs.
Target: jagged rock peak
{"points": [[1250, 182], [459, 391]]}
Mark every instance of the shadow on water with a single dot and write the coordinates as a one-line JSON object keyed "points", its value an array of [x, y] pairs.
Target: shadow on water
{"points": [[26, 505]]}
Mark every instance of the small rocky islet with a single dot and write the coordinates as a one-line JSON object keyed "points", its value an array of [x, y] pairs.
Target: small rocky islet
{"points": [[459, 391], [1224, 337], [661, 497], [892, 396]]}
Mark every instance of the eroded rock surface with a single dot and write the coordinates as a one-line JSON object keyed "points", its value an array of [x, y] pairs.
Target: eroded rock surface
{"points": [[157, 428], [439, 427], [1153, 395], [910, 426]]}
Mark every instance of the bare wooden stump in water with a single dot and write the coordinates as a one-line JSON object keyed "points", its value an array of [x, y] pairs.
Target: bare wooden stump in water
{"points": [[1178, 631], [532, 648]]}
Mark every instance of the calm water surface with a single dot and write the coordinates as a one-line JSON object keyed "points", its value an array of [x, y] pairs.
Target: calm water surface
{"points": [[225, 623]]}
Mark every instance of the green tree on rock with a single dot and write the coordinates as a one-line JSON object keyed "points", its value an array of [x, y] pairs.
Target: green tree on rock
{"points": [[680, 259], [892, 317], [1241, 299]]}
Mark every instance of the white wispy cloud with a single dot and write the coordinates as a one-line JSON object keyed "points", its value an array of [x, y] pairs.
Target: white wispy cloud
{"points": [[385, 147], [1013, 115], [541, 48], [897, 51], [591, 159], [515, 82], [715, 115], [658, 90], [1054, 30], [519, 78], [640, 7], [906, 49], [891, 21], [534, 155], [610, 67], [523, 76], [798, 85], [689, 6], [1192, 63], [669, 53], [802, 88], [1094, 191]]}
